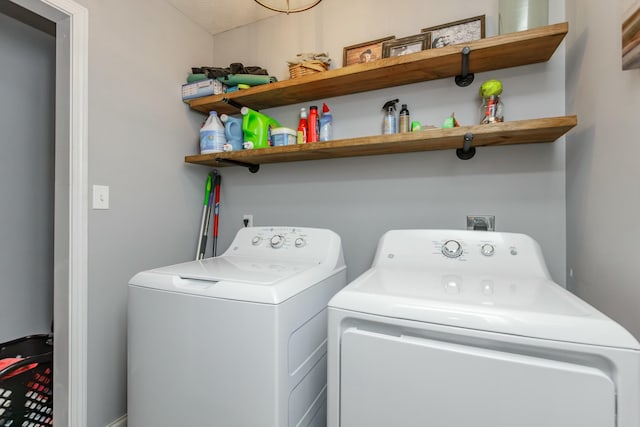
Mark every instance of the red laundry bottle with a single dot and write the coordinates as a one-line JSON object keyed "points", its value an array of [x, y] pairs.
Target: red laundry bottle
{"points": [[313, 133], [302, 127]]}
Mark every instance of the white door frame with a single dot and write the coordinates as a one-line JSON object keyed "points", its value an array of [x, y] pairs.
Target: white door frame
{"points": [[71, 207]]}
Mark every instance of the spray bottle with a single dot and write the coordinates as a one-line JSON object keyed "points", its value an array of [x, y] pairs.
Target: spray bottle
{"points": [[389, 123], [326, 124]]}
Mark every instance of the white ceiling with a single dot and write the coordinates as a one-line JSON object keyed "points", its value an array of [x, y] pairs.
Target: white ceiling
{"points": [[217, 16]]}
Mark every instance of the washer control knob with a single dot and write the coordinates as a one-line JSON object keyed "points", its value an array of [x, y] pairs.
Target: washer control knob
{"points": [[487, 249], [452, 249], [277, 241], [256, 240], [300, 242]]}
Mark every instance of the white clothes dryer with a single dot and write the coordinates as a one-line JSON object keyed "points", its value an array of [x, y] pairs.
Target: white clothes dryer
{"points": [[238, 340], [453, 328]]}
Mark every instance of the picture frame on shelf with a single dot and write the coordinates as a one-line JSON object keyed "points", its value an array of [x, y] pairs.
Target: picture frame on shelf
{"points": [[364, 52], [457, 32], [631, 37], [406, 45]]}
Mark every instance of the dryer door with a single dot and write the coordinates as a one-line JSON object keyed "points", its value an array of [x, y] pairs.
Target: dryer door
{"points": [[404, 381]]}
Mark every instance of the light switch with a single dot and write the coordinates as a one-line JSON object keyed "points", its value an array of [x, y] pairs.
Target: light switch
{"points": [[100, 197]]}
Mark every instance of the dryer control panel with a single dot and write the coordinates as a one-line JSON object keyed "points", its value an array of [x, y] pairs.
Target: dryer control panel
{"points": [[462, 250]]}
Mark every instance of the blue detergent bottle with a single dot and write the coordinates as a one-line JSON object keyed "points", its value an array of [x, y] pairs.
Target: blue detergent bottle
{"points": [[233, 132]]}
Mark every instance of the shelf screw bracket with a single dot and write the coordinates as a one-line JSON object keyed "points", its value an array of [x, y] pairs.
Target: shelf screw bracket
{"points": [[467, 151], [252, 168], [232, 103], [466, 78]]}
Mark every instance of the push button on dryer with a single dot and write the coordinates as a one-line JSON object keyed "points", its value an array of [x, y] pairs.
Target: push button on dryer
{"points": [[487, 249]]}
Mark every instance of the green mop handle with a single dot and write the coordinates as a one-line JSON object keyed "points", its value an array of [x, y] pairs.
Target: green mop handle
{"points": [[202, 238]]}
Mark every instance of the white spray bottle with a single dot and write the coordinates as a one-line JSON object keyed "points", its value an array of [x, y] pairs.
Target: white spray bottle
{"points": [[389, 123]]}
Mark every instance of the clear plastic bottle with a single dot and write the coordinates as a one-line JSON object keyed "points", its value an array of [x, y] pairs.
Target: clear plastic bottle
{"points": [[491, 110], [389, 122], [212, 139]]}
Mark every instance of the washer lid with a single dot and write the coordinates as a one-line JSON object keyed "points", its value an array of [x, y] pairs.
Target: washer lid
{"points": [[237, 269], [537, 308], [237, 278]]}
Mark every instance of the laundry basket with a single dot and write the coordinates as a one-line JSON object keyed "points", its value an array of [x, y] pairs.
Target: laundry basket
{"points": [[26, 382]]}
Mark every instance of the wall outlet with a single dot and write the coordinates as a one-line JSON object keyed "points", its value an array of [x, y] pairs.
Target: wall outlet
{"points": [[247, 220], [481, 222]]}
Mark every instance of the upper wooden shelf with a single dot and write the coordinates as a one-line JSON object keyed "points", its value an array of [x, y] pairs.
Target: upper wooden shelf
{"points": [[493, 53], [506, 133]]}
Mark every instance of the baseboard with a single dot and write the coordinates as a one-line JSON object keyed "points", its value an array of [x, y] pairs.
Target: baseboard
{"points": [[120, 422]]}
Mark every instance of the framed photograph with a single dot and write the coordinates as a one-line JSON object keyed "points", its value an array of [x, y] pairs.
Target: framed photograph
{"points": [[457, 32], [364, 52], [631, 37], [406, 45]]}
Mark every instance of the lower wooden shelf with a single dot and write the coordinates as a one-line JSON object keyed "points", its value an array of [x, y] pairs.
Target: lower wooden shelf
{"points": [[506, 133]]}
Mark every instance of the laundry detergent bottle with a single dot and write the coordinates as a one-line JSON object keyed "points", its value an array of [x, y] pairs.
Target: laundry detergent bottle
{"points": [[232, 132], [257, 128], [212, 139]]}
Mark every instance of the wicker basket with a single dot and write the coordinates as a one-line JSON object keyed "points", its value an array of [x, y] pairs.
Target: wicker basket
{"points": [[307, 67]]}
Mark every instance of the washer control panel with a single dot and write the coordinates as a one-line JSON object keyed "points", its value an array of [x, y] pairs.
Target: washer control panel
{"points": [[285, 242], [279, 238]]}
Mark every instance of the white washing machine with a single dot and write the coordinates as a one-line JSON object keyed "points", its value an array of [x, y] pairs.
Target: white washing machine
{"points": [[466, 328], [238, 340]]}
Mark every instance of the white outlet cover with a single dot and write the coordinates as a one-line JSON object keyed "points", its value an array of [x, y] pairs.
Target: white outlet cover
{"points": [[100, 197]]}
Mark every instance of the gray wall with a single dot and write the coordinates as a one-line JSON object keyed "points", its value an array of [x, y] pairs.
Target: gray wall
{"points": [[603, 206], [27, 72], [139, 132], [361, 198], [140, 52]]}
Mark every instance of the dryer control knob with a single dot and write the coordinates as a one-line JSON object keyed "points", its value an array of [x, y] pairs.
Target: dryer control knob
{"points": [[256, 240], [452, 249], [487, 249], [277, 241], [300, 242]]}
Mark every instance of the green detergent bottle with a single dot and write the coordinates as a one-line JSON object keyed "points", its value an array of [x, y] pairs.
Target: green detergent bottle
{"points": [[256, 128]]}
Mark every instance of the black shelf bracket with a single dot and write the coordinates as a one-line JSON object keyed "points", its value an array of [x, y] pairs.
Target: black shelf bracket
{"points": [[465, 78], [467, 151], [232, 103], [252, 168]]}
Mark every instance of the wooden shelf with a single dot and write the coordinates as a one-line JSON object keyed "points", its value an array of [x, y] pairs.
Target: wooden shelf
{"points": [[506, 133], [493, 53]]}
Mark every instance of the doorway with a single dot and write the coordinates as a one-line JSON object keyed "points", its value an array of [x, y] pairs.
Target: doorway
{"points": [[70, 207]]}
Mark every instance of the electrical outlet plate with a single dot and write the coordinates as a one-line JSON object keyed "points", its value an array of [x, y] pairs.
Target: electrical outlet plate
{"points": [[481, 222], [247, 220]]}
